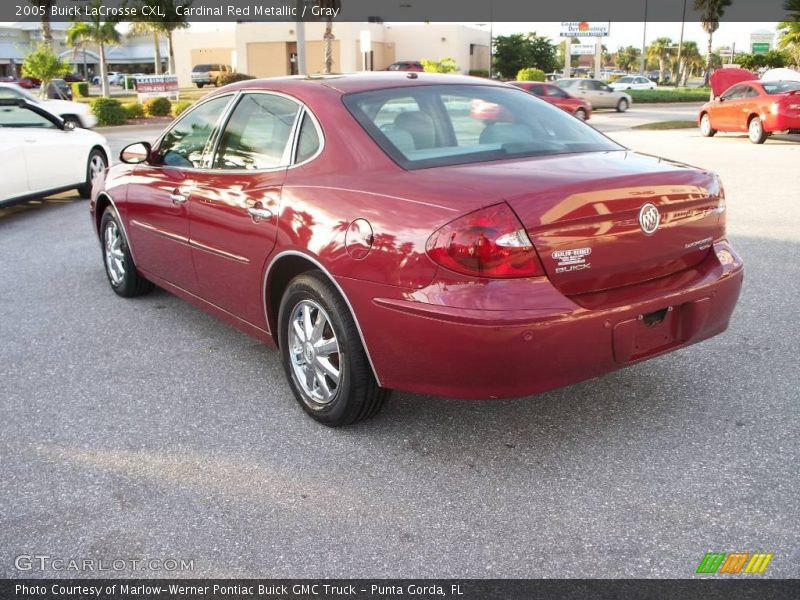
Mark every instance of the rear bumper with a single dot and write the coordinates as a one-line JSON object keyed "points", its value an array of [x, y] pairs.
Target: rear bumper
{"points": [[782, 122], [500, 339]]}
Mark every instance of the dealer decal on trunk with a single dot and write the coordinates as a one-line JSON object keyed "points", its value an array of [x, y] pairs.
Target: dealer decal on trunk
{"points": [[572, 260]]}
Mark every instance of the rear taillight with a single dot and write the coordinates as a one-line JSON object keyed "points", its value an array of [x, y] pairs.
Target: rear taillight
{"points": [[490, 242]]}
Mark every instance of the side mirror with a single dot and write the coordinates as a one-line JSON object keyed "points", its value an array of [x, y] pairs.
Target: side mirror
{"points": [[135, 154], [69, 125]]}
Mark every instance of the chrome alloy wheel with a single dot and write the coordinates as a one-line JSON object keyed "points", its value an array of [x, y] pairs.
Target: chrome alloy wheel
{"points": [[96, 166], [314, 353], [705, 125], [115, 257]]}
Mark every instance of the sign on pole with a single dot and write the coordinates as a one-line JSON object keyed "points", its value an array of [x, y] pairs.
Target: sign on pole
{"points": [[153, 86], [585, 29], [582, 49]]}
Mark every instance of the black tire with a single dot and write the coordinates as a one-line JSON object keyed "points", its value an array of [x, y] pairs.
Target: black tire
{"points": [[622, 105], [131, 283], [357, 395], [96, 156], [755, 131], [706, 130], [580, 114], [200, 85]]}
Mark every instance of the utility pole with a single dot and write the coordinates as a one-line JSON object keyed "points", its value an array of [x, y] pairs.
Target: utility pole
{"points": [[644, 39], [301, 40], [680, 45]]}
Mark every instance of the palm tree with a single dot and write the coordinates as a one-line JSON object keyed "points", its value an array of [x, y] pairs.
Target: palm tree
{"points": [[47, 32], [660, 50], [789, 31], [148, 28], [711, 12], [328, 36], [171, 22], [690, 55], [98, 32]]}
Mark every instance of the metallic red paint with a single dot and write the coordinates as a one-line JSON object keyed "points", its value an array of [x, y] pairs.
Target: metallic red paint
{"points": [[425, 328]]}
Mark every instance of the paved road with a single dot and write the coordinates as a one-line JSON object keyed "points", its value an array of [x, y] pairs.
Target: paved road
{"points": [[147, 429], [639, 114]]}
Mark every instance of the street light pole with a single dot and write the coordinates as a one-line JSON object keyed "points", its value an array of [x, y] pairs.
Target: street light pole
{"points": [[680, 45], [644, 38]]}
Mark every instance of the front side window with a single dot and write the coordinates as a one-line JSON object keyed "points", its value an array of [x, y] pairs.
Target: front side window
{"points": [[439, 125], [17, 116], [185, 144], [257, 133]]}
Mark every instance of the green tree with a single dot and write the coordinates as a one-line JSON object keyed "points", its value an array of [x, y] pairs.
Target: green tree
{"points": [[96, 31], [171, 22], [154, 29], [711, 12], [518, 51], [690, 55], [660, 50], [446, 65], [789, 32], [627, 58], [43, 63], [47, 31]]}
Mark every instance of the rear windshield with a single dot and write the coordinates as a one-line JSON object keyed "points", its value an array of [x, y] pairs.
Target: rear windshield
{"points": [[781, 87], [439, 125], [200, 68]]}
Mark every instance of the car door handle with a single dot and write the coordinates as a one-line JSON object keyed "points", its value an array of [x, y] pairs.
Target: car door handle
{"points": [[177, 198], [259, 213]]}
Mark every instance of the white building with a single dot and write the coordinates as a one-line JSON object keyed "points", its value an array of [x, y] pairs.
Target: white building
{"points": [[136, 54], [270, 49]]}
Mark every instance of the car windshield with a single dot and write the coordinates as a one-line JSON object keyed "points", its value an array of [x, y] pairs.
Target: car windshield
{"points": [[200, 68], [440, 125], [781, 87]]}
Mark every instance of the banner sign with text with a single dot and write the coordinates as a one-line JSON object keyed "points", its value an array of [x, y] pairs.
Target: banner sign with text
{"points": [[152, 86], [378, 11]]}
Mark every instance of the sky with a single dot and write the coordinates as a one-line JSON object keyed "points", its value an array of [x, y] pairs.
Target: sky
{"points": [[621, 33]]}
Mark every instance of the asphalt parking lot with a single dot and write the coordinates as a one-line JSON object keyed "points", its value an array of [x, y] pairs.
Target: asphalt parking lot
{"points": [[147, 429]]}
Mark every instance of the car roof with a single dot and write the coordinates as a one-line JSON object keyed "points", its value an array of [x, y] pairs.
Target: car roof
{"points": [[346, 83]]}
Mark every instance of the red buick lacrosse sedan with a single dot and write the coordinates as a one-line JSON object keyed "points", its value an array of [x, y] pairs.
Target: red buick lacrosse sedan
{"points": [[384, 234]]}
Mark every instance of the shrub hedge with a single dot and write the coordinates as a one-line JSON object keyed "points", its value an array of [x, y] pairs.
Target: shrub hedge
{"points": [[234, 77], [180, 106], [157, 107], [108, 111], [133, 110], [530, 75], [80, 89]]}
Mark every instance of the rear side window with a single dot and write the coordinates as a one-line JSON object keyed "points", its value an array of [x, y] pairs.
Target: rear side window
{"points": [[781, 87], [308, 142], [439, 125], [257, 133]]}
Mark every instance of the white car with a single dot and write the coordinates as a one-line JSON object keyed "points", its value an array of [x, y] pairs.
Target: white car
{"points": [[42, 154], [632, 82], [76, 112]]}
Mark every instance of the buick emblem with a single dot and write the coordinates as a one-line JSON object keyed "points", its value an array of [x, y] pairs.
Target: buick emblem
{"points": [[649, 218]]}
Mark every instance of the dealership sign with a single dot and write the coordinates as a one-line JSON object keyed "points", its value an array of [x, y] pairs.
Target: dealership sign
{"points": [[152, 86], [585, 29], [582, 49]]}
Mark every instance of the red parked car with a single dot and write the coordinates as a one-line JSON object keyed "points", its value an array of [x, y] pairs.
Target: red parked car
{"points": [[384, 238], [555, 95], [758, 107]]}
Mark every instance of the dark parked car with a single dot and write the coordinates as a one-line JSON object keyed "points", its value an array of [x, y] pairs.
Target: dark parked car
{"points": [[58, 89], [385, 233]]}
